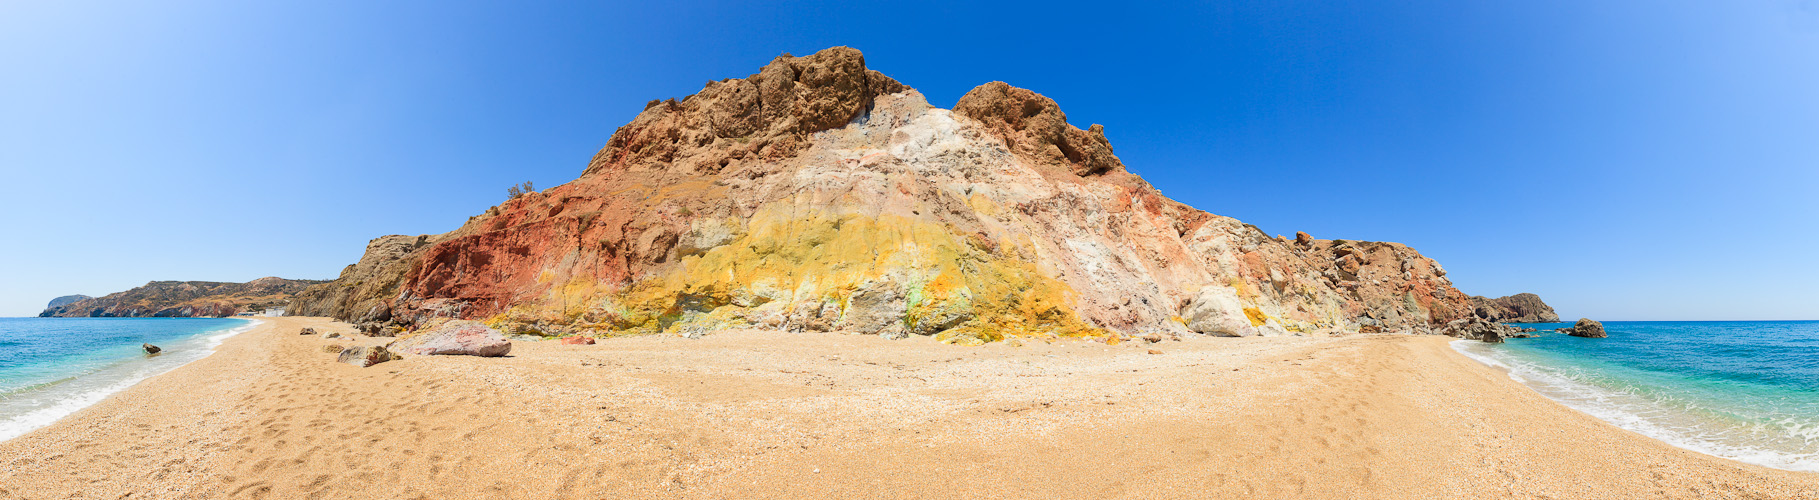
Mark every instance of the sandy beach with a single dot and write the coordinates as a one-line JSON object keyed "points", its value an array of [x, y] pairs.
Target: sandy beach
{"points": [[752, 414]]}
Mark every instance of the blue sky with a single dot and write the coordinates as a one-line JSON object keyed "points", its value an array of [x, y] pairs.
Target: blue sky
{"points": [[1624, 159]]}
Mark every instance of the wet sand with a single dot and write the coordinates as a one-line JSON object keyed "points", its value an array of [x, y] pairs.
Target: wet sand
{"points": [[749, 414]]}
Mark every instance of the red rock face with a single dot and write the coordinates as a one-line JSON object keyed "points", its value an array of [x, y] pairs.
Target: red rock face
{"points": [[820, 194]]}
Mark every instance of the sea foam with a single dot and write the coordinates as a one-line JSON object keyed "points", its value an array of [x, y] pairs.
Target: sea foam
{"points": [[25, 409], [1789, 443]]}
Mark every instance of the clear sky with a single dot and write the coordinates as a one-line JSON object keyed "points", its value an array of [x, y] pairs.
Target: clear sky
{"points": [[1624, 159]]}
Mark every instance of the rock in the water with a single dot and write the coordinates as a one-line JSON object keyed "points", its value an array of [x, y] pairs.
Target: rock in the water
{"points": [[461, 337], [364, 356], [1586, 328], [150, 349], [307, 331], [577, 341], [1492, 336]]}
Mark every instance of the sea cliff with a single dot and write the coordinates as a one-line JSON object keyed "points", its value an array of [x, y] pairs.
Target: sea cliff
{"points": [[1518, 308]]}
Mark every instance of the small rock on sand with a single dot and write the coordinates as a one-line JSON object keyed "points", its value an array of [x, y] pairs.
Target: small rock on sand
{"points": [[577, 341], [307, 331], [366, 356]]}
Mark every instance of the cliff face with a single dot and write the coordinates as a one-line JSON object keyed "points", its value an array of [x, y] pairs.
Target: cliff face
{"points": [[1518, 308], [364, 289], [818, 194], [182, 299]]}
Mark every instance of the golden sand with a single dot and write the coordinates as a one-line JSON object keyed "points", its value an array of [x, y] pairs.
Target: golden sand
{"points": [[747, 414]]}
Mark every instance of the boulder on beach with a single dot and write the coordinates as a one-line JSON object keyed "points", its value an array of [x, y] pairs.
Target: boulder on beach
{"points": [[1586, 328], [462, 337], [150, 349], [364, 356], [333, 348], [577, 341], [1217, 310]]}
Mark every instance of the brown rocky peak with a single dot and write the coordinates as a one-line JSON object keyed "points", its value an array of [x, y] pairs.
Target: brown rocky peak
{"points": [[1034, 126], [764, 115]]}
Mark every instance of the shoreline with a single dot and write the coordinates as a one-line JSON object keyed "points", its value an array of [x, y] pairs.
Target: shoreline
{"points": [[1623, 407], [746, 414], [76, 402]]}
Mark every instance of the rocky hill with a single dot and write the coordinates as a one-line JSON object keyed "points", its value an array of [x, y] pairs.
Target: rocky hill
{"points": [[66, 300], [819, 194], [184, 299], [1518, 308]]}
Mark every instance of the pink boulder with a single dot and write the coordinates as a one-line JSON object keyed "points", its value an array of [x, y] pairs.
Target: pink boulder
{"points": [[462, 337], [577, 341], [365, 356]]}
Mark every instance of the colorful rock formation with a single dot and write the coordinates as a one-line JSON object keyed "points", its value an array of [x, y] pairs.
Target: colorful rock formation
{"points": [[184, 299], [818, 194]]}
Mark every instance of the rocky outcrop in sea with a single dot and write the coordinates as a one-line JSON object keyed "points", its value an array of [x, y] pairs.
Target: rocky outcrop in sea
{"points": [[819, 194], [184, 299], [1585, 328], [1518, 308]]}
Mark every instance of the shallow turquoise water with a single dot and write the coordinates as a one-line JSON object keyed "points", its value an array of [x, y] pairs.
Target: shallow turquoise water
{"points": [[51, 367], [1747, 390]]}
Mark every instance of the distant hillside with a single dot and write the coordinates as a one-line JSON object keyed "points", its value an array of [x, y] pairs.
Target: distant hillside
{"points": [[66, 300], [182, 299]]}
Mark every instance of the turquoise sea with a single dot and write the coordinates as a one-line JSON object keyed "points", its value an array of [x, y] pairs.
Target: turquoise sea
{"points": [[1745, 390], [52, 367]]}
